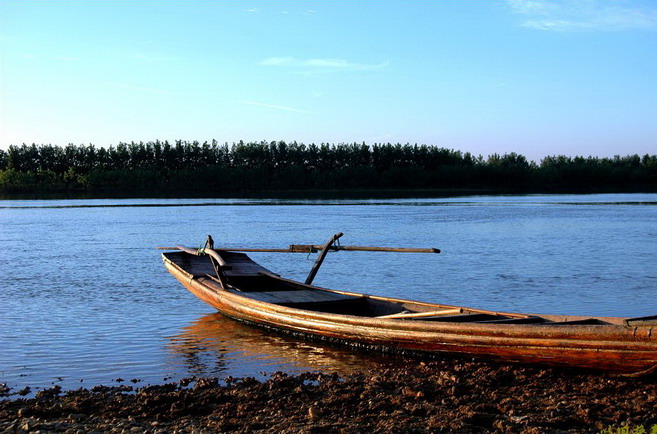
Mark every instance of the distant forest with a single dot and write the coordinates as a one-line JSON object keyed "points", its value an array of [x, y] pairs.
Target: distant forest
{"points": [[269, 167]]}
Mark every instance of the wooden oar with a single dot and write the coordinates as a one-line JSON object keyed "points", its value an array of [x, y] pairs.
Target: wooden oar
{"points": [[313, 248], [385, 249]]}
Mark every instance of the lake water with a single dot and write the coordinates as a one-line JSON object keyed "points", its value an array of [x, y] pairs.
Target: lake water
{"points": [[85, 299]]}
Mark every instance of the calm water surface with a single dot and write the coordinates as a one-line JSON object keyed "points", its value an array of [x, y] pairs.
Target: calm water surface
{"points": [[85, 299]]}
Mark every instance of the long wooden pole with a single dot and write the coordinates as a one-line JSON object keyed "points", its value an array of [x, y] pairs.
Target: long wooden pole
{"points": [[313, 248], [385, 249], [422, 314]]}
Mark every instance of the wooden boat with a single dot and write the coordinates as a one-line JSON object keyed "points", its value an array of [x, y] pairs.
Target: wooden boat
{"points": [[239, 288]]}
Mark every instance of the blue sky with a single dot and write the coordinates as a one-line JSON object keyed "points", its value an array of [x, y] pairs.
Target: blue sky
{"points": [[534, 77]]}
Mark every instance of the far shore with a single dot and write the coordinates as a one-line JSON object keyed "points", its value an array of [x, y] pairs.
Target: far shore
{"points": [[353, 194]]}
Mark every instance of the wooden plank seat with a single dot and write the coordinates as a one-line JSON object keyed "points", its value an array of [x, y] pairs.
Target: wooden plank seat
{"points": [[201, 266], [198, 266], [242, 266], [588, 321], [295, 296], [466, 317], [506, 320]]}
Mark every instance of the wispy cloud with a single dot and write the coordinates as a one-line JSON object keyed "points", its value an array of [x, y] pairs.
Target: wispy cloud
{"points": [[271, 10], [141, 89], [585, 15], [29, 56], [150, 57], [321, 65], [278, 61], [276, 107]]}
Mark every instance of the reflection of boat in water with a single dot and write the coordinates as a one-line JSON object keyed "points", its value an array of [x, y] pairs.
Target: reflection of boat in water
{"points": [[242, 289], [215, 345]]}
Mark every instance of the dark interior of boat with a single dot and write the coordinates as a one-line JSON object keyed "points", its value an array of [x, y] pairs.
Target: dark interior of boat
{"points": [[243, 276]]}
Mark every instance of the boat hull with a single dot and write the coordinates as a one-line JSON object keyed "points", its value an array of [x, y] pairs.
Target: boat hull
{"points": [[614, 347]]}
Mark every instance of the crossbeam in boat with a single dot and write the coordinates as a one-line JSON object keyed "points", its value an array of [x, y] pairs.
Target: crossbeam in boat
{"points": [[421, 314]]}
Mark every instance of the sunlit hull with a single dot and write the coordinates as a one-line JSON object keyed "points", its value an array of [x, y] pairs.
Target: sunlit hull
{"points": [[252, 294]]}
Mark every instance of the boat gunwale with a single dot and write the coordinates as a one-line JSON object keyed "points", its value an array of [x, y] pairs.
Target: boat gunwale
{"points": [[616, 333], [619, 348], [614, 321]]}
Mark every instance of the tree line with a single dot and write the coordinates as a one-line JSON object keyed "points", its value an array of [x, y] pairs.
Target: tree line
{"points": [[213, 168]]}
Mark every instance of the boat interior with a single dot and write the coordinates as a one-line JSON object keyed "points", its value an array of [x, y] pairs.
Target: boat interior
{"points": [[242, 276]]}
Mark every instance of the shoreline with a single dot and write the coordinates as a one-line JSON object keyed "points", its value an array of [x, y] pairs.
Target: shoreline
{"points": [[436, 395], [312, 194]]}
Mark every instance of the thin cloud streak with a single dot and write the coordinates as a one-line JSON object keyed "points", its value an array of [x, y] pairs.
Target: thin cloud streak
{"points": [[577, 15], [152, 57], [275, 107], [278, 61], [318, 64], [149, 90]]}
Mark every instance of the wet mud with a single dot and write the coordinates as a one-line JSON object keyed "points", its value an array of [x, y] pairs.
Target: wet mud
{"points": [[431, 396]]}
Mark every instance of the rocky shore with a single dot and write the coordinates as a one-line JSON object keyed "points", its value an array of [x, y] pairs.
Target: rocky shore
{"points": [[431, 396]]}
